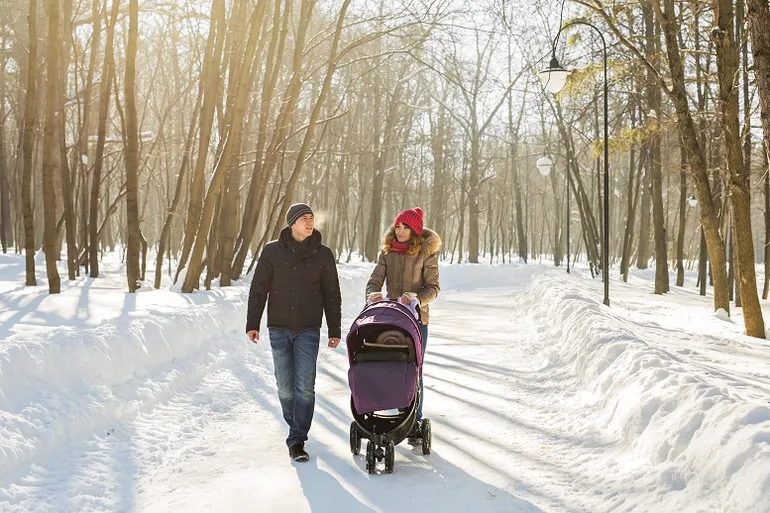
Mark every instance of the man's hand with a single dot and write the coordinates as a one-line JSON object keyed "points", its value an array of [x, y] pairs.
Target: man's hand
{"points": [[334, 342], [408, 297], [373, 297], [253, 336]]}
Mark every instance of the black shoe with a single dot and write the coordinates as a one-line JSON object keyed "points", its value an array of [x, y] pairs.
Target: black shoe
{"points": [[297, 452], [414, 441]]}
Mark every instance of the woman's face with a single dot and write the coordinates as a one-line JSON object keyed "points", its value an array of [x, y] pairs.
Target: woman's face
{"points": [[403, 232]]}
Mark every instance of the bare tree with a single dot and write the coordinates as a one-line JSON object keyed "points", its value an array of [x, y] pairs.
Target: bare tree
{"points": [[49, 145], [740, 193], [108, 71], [131, 153], [235, 125], [28, 147]]}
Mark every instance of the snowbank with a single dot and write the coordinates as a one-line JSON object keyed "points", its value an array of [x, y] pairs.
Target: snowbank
{"points": [[689, 430]]}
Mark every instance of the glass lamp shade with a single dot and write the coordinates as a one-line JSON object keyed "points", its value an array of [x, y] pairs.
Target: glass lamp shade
{"points": [[554, 77], [544, 165]]}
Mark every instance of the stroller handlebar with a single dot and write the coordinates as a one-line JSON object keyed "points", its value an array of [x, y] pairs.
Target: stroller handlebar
{"points": [[414, 305]]}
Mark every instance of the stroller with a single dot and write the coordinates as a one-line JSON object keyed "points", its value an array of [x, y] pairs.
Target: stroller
{"points": [[385, 353]]}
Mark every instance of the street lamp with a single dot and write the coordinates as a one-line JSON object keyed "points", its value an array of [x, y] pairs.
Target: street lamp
{"points": [[544, 165], [554, 78], [693, 201]]}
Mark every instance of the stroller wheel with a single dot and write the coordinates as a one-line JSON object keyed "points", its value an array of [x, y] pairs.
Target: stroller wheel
{"points": [[390, 458], [371, 461], [355, 439], [426, 436]]}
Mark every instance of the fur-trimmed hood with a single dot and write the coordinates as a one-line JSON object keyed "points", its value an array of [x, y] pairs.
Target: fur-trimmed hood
{"points": [[431, 242]]}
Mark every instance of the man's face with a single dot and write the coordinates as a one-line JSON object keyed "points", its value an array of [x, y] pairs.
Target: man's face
{"points": [[303, 227]]}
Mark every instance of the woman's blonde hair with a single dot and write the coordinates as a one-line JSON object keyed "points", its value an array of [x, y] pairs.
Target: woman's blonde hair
{"points": [[415, 243]]}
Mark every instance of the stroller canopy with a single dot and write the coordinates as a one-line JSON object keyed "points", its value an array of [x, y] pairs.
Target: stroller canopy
{"points": [[384, 315]]}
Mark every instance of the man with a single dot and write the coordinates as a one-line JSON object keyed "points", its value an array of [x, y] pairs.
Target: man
{"points": [[299, 276]]}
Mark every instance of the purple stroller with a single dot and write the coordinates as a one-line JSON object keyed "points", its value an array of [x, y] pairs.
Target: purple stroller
{"points": [[385, 353]]}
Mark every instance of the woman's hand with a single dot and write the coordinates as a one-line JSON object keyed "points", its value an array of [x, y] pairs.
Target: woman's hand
{"points": [[408, 297]]}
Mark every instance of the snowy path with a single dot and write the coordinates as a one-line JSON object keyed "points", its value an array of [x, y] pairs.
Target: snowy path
{"points": [[541, 401]]}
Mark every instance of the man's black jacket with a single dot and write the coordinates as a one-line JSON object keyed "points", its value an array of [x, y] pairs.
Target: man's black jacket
{"points": [[301, 281]]}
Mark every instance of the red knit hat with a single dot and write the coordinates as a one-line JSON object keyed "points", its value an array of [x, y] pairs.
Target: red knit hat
{"points": [[412, 218]]}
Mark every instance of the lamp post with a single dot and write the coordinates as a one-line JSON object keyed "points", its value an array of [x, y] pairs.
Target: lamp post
{"points": [[554, 78], [544, 165]]}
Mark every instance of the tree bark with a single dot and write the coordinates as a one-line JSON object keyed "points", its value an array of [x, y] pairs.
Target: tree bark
{"points": [[211, 81], [29, 147], [325, 87], [49, 145], [82, 144], [766, 160], [740, 195], [695, 156], [178, 193], [232, 136], [652, 52], [108, 69], [66, 182], [682, 218], [759, 27], [132, 154], [6, 233]]}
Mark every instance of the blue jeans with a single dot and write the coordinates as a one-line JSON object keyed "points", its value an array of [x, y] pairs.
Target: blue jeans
{"points": [[424, 331], [294, 360]]}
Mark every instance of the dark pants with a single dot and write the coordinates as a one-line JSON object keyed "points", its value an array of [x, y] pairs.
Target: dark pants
{"points": [[294, 360], [424, 330]]}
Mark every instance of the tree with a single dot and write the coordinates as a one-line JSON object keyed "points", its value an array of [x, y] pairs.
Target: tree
{"points": [[132, 153], [28, 147], [108, 70], [49, 145], [740, 193], [235, 125]]}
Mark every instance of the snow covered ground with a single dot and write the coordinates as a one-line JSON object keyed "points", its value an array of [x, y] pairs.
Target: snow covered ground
{"points": [[542, 400]]}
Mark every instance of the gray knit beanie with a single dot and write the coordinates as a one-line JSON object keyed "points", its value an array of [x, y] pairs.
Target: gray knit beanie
{"points": [[296, 211]]}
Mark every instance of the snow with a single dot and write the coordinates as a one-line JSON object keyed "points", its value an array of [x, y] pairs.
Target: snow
{"points": [[541, 398]]}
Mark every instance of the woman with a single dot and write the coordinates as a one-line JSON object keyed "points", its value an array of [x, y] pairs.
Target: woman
{"points": [[408, 265]]}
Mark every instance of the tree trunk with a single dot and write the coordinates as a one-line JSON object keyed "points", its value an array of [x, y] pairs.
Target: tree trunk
{"points": [[49, 145], [108, 69], [264, 164], [682, 218], [438, 144], [587, 219], [740, 195], [695, 157], [325, 87], [29, 147], [211, 80], [766, 148], [6, 233], [652, 52], [235, 124], [759, 28], [625, 256], [132, 153], [165, 232], [66, 183], [82, 144], [513, 133]]}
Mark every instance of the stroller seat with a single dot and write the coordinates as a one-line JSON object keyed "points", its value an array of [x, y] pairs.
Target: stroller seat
{"points": [[386, 346]]}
